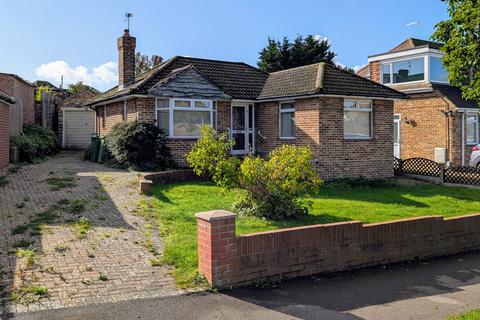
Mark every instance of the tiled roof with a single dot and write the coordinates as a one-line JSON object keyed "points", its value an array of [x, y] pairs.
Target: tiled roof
{"points": [[237, 79], [6, 98], [412, 43], [454, 95], [81, 97], [17, 77], [323, 78]]}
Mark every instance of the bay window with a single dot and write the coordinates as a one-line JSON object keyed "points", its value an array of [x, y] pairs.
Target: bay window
{"points": [[437, 70], [472, 130], [357, 119], [287, 120], [183, 118]]}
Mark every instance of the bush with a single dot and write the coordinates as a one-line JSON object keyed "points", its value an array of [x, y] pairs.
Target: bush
{"points": [[210, 158], [35, 143], [273, 186], [138, 145]]}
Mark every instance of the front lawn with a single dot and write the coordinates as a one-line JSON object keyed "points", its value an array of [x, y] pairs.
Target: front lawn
{"points": [[174, 206], [471, 315]]}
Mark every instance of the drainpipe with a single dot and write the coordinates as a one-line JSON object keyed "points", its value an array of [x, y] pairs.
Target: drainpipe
{"points": [[463, 139]]}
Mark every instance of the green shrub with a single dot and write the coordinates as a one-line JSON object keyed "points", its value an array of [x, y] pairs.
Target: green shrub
{"points": [[35, 143], [273, 186], [210, 158], [138, 145]]}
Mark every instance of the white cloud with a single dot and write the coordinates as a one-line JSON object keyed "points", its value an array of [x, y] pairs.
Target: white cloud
{"points": [[102, 75], [356, 68]]}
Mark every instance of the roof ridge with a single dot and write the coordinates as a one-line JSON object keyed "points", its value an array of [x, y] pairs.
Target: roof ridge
{"points": [[320, 76], [296, 68]]}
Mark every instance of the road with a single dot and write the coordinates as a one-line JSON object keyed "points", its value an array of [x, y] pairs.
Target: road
{"points": [[422, 290]]}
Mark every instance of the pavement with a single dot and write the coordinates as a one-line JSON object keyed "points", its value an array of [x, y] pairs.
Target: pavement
{"points": [[432, 289]]}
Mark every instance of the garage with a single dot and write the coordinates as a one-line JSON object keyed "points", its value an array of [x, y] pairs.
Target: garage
{"points": [[78, 126]]}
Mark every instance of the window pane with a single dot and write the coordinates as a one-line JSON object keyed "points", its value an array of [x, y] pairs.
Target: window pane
{"points": [[182, 104], [163, 120], [396, 132], [349, 103], [472, 128], [284, 106], [202, 104], [239, 139], [162, 103], [364, 105], [437, 70], [357, 124], [386, 73], [408, 70], [287, 124], [189, 123], [238, 120]]}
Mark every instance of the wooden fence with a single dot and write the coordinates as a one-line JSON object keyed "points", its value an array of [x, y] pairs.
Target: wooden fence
{"points": [[16, 118]]}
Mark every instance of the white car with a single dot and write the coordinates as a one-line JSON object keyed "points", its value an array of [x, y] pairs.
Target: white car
{"points": [[475, 157]]}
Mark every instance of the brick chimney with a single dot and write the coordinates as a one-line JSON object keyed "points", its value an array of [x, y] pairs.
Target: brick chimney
{"points": [[126, 60]]}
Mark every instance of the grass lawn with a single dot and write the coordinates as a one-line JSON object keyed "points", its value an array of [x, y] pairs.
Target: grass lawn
{"points": [[175, 205], [471, 315]]}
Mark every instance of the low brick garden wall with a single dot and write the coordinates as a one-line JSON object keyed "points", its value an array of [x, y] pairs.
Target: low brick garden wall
{"points": [[165, 177], [226, 259]]}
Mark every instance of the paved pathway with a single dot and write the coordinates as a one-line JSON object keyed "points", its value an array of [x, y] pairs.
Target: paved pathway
{"points": [[110, 263], [419, 291]]}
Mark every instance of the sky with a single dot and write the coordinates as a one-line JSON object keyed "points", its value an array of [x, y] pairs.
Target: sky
{"points": [[46, 39]]}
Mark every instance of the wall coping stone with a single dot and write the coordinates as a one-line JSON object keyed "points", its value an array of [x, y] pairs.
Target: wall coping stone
{"points": [[215, 215]]}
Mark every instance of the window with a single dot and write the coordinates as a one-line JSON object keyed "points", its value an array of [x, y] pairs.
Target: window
{"points": [[357, 119], [287, 120], [404, 71], [472, 129], [437, 70], [183, 118]]}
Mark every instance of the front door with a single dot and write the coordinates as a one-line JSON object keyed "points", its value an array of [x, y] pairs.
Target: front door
{"points": [[396, 135], [242, 128]]}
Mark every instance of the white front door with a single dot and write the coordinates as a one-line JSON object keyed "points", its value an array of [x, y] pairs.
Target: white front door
{"points": [[242, 128], [396, 135]]}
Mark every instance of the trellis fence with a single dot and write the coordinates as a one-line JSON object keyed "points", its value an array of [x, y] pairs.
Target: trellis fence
{"points": [[427, 169]]}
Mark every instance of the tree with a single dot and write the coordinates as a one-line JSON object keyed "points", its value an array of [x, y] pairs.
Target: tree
{"points": [[461, 44], [283, 55], [144, 63], [75, 88]]}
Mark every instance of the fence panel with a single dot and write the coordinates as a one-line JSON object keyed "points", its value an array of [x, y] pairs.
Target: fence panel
{"points": [[462, 175], [421, 166], [16, 118]]}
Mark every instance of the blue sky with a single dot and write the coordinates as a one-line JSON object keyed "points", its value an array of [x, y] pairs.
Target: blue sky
{"points": [[42, 39]]}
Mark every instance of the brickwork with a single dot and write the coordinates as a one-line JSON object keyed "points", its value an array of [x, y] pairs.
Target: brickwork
{"points": [[226, 259], [126, 59], [22, 92], [4, 134], [166, 177], [319, 124]]}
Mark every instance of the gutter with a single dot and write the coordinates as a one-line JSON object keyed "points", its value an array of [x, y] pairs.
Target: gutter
{"points": [[325, 95]]}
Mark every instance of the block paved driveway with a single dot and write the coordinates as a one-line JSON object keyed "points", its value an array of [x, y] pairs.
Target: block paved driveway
{"points": [[109, 263]]}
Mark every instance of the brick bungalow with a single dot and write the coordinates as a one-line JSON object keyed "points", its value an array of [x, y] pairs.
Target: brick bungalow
{"points": [[23, 93], [434, 122], [5, 102], [344, 118]]}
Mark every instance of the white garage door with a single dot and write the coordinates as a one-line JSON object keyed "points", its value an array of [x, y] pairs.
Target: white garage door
{"points": [[78, 127]]}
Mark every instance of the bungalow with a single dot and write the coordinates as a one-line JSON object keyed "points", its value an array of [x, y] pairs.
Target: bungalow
{"points": [[344, 118], [434, 122]]}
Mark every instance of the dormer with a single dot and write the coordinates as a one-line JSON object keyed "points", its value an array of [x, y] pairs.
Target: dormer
{"points": [[413, 65]]}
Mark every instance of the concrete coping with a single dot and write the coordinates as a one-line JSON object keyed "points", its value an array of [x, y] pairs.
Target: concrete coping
{"points": [[215, 215]]}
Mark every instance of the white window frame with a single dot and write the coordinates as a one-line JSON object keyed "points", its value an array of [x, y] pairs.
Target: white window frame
{"points": [[171, 109], [356, 108], [426, 62], [280, 111], [477, 129]]}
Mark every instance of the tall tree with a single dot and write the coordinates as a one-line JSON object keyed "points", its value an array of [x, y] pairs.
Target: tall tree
{"points": [[283, 55], [144, 63], [461, 38], [75, 88]]}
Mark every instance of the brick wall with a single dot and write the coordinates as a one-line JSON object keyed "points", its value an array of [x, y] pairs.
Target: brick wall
{"points": [[319, 124], [166, 177], [226, 259], [21, 91], [4, 134]]}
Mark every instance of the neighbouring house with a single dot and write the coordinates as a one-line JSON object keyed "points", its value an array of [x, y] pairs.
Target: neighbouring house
{"points": [[23, 93], [5, 102], [434, 122], [76, 121], [344, 118]]}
